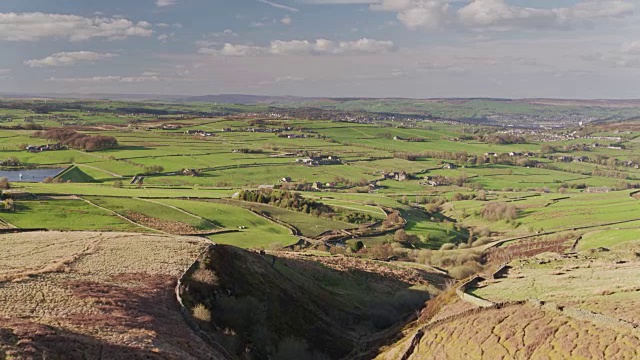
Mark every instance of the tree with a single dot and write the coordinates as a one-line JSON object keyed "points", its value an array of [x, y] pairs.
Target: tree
{"points": [[357, 246], [403, 237], [4, 183], [153, 169], [9, 205]]}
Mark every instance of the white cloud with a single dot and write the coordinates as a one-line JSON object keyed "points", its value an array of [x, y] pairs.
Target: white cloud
{"points": [[498, 14], [166, 37], [213, 39], [632, 47], [282, 79], [430, 14], [305, 47], [106, 79], [341, 2], [164, 3], [278, 6], [286, 20], [68, 59], [4, 71], [36, 26]]}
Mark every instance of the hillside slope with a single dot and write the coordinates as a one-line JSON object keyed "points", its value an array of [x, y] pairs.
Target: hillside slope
{"points": [[295, 306], [519, 331], [571, 306], [95, 296]]}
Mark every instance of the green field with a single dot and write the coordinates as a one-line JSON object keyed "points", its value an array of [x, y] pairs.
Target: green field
{"points": [[246, 152], [61, 214]]}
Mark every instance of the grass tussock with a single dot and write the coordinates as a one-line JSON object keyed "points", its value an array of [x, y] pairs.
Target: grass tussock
{"points": [[201, 313]]}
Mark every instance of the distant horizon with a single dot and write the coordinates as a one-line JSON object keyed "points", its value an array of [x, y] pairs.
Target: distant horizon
{"points": [[72, 94]]}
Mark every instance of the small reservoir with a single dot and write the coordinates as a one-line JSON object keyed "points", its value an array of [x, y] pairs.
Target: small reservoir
{"points": [[29, 175]]}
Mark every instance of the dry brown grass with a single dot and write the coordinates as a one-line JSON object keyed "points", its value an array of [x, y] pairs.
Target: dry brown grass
{"points": [[591, 312], [170, 227], [100, 295], [522, 332], [200, 312]]}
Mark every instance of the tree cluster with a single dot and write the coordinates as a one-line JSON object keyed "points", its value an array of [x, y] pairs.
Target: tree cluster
{"points": [[12, 161], [501, 139], [296, 202], [153, 169], [497, 211], [76, 140], [8, 205], [4, 183], [285, 199]]}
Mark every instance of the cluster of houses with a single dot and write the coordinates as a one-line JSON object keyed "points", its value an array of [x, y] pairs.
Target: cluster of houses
{"points": [[163, 127], [320, 186], [568, 158], [48, 147], [319, 160], [397, 176], [411, 139], [263, 130], [430, 181], [269, 130], [512, 154], [199, 132], [191, 172]]}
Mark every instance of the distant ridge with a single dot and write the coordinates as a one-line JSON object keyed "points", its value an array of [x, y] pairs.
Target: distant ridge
{"points": [[244, 99]]}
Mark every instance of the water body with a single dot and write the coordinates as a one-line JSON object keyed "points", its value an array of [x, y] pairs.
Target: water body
{"points": [[35, 175]]}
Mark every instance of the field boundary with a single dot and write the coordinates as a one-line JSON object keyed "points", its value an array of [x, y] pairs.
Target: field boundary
{"points": [[122, 216], [16, 230], [177, 209], [499, 243], [7, 224], [462, 293], [571, 312], [292, 229]]}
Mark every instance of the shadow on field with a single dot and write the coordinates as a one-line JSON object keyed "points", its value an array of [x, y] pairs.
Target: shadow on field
{"points": [[39, 342], [132, 148]]}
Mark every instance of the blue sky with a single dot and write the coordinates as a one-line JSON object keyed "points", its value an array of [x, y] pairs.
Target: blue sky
{"points": [[376, 48]]}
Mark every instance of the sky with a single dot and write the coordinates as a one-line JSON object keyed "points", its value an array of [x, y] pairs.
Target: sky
{"points": [[325, 48]]}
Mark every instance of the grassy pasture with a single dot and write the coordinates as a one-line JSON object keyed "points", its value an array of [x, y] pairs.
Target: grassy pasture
{"points": [[309, 225], [62, 214], [259, 232], [151, 209]]}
